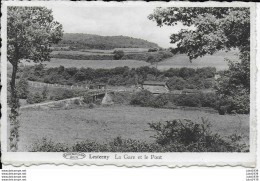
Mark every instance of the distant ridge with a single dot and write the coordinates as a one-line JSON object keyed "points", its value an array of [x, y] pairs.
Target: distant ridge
{"points": [[88, 41]]}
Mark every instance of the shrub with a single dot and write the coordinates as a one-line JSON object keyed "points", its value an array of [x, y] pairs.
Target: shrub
{"points": [[89, 146], [152, 50], [76, 101], [22, 88], [206, 72], [185, 135], [118, 54], [186, 73], [176, 83], [142, 98], [47, 145], [152, 59], [116, 145], [121, 97], [159, 101], [190, 100], [59, 94], [45, 93], [131, 145], [34, 98], [239, 104], [208, 100], [87, 99]]}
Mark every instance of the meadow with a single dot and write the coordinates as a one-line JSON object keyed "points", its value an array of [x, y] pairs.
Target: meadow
{"points": [[217, 60], [177, 61], [98, 51], [107, 64], [78, 124]]}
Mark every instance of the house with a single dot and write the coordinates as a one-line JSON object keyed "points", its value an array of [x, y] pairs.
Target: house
{"points": [[155, 87]]}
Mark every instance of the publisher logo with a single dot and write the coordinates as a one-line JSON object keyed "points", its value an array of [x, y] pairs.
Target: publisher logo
{"points": [[74, 156]]}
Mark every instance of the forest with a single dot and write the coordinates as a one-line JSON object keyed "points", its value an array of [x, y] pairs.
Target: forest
{"points": [[76, 41]]}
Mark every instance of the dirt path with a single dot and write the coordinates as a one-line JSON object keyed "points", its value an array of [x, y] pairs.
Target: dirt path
{"points": [[50, 102]]}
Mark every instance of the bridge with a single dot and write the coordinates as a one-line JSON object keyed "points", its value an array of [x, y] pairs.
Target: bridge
{"points": [[95, 94]]}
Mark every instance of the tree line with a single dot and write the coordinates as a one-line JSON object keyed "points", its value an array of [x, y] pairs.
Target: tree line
{"points": [[176, 78], [78, 41]]}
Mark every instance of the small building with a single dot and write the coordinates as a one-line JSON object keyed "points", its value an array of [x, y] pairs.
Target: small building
{"points": [[156, 87]]}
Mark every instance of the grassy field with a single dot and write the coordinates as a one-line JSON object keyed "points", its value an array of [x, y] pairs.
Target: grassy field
{"points": [[97, 51], [217, 60], [70, 126], [82, 52], [55, 62]]}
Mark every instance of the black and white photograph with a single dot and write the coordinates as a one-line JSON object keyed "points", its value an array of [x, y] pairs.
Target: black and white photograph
{"points": [[85, 79]]}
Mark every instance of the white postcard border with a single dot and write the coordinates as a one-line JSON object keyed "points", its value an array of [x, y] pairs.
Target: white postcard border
{"points": [[168, 159]]}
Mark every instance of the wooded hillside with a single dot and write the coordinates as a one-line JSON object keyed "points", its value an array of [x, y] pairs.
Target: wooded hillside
{"points": [[76, 41]]}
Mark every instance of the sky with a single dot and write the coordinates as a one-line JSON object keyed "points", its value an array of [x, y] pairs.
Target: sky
{"points": [[113, 21]]}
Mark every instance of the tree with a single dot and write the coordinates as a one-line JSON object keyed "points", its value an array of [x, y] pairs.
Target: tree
{"points": [[152, 60], [118, 54], [176, 83], [210, 29], [45, 93], [30, 33]]}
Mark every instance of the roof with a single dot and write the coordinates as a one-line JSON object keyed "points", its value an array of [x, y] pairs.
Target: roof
{"points": [[154, 83], [156, 89]]}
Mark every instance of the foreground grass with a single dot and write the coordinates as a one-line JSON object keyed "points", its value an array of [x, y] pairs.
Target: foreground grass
{"points": [[103, 124]]}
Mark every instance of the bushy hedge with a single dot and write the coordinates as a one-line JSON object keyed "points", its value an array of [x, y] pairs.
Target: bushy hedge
{"points": [[59, 94], [185, 135], [142, 98], [176, 83], [22, 88], [121, 97], [200, 78], [147, 99], [33, 98], [239, 104], [171, 136], [47, 145]]}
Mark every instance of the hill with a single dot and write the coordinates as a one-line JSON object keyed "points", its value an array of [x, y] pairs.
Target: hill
{"points": [[77, 41]]}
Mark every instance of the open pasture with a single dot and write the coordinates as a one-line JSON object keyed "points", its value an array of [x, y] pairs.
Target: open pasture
{"points": [[216, 60], [102, 52], [99, 52], [107, 64], [126, 50], [106, 123]]}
